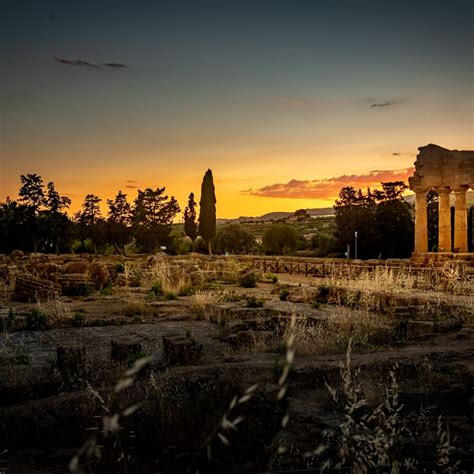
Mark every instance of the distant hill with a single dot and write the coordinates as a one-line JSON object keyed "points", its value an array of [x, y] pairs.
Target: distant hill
{"points": [[325, 211]]}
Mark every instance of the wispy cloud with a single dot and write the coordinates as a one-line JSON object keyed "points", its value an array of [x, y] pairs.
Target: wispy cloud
{"points": [[387, 103], [311, 103], [329, 188]]}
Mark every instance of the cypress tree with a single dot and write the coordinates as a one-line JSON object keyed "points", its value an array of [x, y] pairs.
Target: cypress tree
{"points": [[207, 211], [190, 224]]}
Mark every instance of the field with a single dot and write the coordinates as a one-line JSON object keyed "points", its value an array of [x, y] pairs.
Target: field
{"points": [[152, 363]]}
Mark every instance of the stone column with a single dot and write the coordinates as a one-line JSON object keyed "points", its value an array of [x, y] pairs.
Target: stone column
{"points": [[444, 220], [460, 218], [421, 221]]}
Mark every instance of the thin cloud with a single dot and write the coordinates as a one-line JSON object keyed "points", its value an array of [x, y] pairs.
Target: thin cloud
{"points": [[80, 62], [387, 103], [131, 181], [131, 186], [329, 188]]}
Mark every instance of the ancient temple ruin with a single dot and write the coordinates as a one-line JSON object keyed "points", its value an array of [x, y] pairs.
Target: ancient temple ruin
{"points": [[445, 171]]}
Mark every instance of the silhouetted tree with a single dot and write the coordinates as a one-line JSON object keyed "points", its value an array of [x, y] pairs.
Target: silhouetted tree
{"points": [[90, 221], [355, 213], [31, 195], [14, 220], [233, 238], [382, 219], [55, 226], [207, 211], [152, 217], [32, 192], [190, 224], [119, 219]]}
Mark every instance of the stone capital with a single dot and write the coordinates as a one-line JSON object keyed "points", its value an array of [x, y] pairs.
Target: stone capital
{"points": [[420, 189], [443, 190], [461, 188]]}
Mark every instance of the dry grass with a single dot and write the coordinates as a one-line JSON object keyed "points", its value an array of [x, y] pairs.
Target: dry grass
{"points": [[450, 279], [56, 310], [367, 331]]}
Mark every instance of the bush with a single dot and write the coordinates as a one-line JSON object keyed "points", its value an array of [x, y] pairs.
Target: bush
{"points": [[120, 267], [247, 279], [36, 320], [284, 293], [272, 277], [252, 302], [156, 291], [78, 319], [170, 295], [280, 239], [186, 291], [234, 239]]}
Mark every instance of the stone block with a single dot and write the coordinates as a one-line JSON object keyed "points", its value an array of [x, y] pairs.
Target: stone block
{"points": [[75, 284], [416, 329], [123, 351], [181, 350], [71, 362], [29, 288]]}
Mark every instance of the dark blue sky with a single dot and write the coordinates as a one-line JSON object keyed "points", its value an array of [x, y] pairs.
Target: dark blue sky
{"points": [[281, 89]]}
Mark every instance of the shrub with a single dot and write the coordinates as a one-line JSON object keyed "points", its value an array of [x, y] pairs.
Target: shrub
{"points": [[252, 302], [156, 291], [120, 267], [36, 320], [78, 319], [107, 290], [272, 277], [170, 295], [234, 239], [284, 293], [315, 304], [186, 291], [247, 279], [280, 239]]}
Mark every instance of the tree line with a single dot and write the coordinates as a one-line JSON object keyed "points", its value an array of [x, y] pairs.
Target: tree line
{"points": [[38, 220]]}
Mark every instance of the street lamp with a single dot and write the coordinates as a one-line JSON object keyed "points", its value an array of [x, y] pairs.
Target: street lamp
{"points": [[355, 250]]}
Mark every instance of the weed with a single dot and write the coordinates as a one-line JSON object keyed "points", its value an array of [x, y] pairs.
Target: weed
{"points": [[36, 320], [247, 279], [284, 293], [253, 302], [78, 319]]}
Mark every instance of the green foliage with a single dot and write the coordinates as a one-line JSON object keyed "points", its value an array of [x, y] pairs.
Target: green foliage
{"points": [[107, 290], [234, 239], [272, 277], [280, 239], [36, 320], [170, 296], [78, 319], [315, 304], [253, 302], [120, 267], [284, 293], [207, 211], [156, 291], [186, 291], [247, 279]]}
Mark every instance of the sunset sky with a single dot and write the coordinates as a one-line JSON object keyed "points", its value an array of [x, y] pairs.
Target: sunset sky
{"points": [[286, 101]]}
